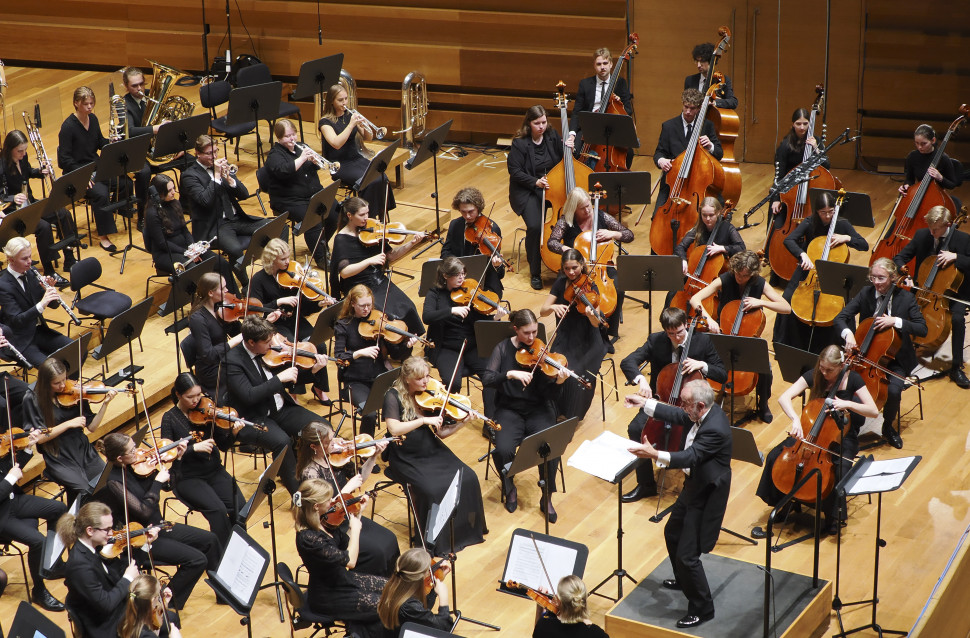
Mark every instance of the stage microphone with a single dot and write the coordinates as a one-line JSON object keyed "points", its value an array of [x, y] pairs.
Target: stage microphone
{"points": [[319, 35], [37, 115]]}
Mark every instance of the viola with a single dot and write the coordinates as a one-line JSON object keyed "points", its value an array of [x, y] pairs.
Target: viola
{"points": [[225, 418], [395, 233], [18, 438], [485, 302], [587, 298], [134, 534], [727, 124], [480, 233], [282, 355], [875, 348], [550, 363], [391, 330], [744, 323], [311, 284], [436, 573], [808, 302], [432, 399], [336, 514], [703, 268], [544, 600], [612, 158], [661, 434], [148, 460], [92, 392], [936, 281], [364, 446], [233, 308], [598, 255]]}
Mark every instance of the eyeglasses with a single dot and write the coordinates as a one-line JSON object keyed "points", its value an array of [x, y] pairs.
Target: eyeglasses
{"points": [[106, 530]]}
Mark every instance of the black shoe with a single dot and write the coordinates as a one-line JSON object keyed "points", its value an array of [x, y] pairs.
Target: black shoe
{"points": [[320, 396], [376, 469], [59, 281], [958, 377], [511, 500], [610, 349], [671, 583], [536, 283], [640, 491], [45, 600], [68, 262], [548, 510], [830, 527], [690, 620], [111, 248], [759, 533], [892, 437], [766, 415], [140, 225]]}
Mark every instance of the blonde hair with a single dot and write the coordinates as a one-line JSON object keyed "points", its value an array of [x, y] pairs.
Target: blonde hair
{"points": [[407, 581], [272, 251], [700, 227], [15, 246], [412, 368], [937, 215], [576, 197], [82, 93], [144, 595], [311, 493], [572, 595], [70, 527]]}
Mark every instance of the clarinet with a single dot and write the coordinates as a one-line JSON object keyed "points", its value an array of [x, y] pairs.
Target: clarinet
{"points": [[17, 354], [67, 308]]}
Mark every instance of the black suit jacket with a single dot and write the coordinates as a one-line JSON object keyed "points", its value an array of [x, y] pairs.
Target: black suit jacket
{"points": [[456, 246], [19, 308], [250, 391], [96, 592], [729, 101], [204, 198], [658, 350], [135, 113], [673, 141], [523, 173], [921, 247], [586, 96], [903, 306]]}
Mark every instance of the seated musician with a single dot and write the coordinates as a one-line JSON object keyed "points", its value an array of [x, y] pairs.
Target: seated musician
{"points": [[15, 175], [902, 315], [578, 338], [469, 202], [23, 301], [928, 242], [368, 360], [851, 396], [524, 405], [259, 394], [145, 610], [573, 618], [790, 329], [135, 105], [660, 350], [71, 461], [743, 282], [590, 94], [198, 477], [917, 164], [426, 464], [167, 236], [675, 136], [19, 514], [212, 194], [702, 54], [403, 599], [343, 133], [577, 218], [317, 444], [293, 181], [96, 587], [14, 390], [355, 263]]}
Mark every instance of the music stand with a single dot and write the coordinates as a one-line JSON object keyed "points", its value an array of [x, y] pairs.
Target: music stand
{"points": [[375, 400], [123, 330], [662, 273], [252, 104], [273, 228], [116, 161], [70, 356], [741, 354], [30, 623], [264, 490], [241, 569], [841, 280], [744, 448], [67, 189], [184, 287], [376, 168], [316, 76], [475, 266], [793, 362], [489, 334], [323, 329], [414, 630], [562, 557], [179, 136], [22, 222], [319, 207], [608, 129], [538, 449], [857, 207], [623, 186], [430, 146]]}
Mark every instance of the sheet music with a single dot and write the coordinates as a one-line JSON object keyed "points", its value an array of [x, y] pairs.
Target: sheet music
{"points": [[888, 466], [524, 566], [603, 457], [448, 503], [882, 476], [240, 568]]}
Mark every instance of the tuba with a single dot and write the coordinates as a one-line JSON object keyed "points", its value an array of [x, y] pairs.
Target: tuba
{"points": [[414, 109], [163, 106]]}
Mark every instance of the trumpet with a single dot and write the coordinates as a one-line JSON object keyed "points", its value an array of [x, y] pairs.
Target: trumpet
{"points": [[377, 131], [319, 159], [47, 286], [193, 252]]}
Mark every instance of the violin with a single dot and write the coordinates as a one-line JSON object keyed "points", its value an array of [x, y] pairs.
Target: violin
{"points": [[336, 514], [703, 268], [480, 233], [391, 330], [547, 601], [808, 302], [727, 124], [432, 398], [18, 438], [586, 296], [134, 534], [148, 460], [875, 348], [233, 308], [485, 302], [92, 392], [550, 363], [394, 233], [436, 573], [598, 256], [661, 434], [208, 412], [311, 285], [364, 446], [744, 323], [936, 281]]}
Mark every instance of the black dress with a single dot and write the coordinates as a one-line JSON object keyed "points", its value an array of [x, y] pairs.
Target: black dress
{"points": [[447, 332], [265, 288], [290, 190], [428, 466], [335, 590], [414, 611], [353, 165], [549, 626], [210, 335]]}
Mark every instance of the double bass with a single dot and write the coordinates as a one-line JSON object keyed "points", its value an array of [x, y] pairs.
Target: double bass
{"points": [[727, 124], [795, 201], [661, 434], [808, 302], [702, 268], [935, 282], [901, 226]]}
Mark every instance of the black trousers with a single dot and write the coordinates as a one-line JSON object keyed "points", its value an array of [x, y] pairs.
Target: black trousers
{"points": [[645, 469], [958, 334], [444, 360], [45, 238], [46, 341], [682, 535], [277, 442], [533, 218], [192, 550], [98, 198], [165, 262], [216, 497], [516, 425], [21, 526], [233, 238], [894, 394], [359, 391], [297, 210]]}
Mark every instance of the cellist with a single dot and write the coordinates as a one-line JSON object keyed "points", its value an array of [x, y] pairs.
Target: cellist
{"points": [[928, 242], [902, 315], [661, 349]]}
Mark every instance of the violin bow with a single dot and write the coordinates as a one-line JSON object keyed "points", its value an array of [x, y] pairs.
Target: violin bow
{"points": [[495, 249], [80, 378], [6, 393], [546, 346], [326, 457], [552, 590], [454, 373], [383, 317], [478, 286], [299, 300]]}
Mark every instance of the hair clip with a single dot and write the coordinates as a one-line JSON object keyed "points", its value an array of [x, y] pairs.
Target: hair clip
{"points": [[297, 499]]}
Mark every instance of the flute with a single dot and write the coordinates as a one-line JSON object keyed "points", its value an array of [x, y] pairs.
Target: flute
{"points": [[67, 308]]}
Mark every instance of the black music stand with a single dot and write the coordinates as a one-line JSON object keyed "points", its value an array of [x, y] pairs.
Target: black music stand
{"points": [[744, 448], [475, 266], [323, 329], [179, 137], [22, 222], [123, 330], [182, 292], [317, 76], [375, 400], [489, 334], [116, 161], [663, 273], [318, 208], [264, 490], [430, 146], [275, 227], [70, 355], [608, 129], [30, 623], [741, 354], [538, 449], [414, 630], [376, 168], [67, 189], [841, 280], [241, 569], [623, 187], [793, 362], [857, 207], [251, 105]]}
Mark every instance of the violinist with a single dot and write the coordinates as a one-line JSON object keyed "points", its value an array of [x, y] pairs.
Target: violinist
{"points": [[354, 263], [19, 514], [695, 520], [524, 404], [702, 54], [336, 588], [198, 477], [590, 93], [343, 132], [660, 350], [145, 610], [190, 549], [902, 315], [378, 545], [469, 202], [928, 242], [536, 149], [789, 329], [293, 181], [918, 162], [572, 621], [367, 359], [852, 396], [425, 464], [69, 456], [96, 588], [404, 598], [210, 334], [675, 135], [583, 342], [743, 282]]}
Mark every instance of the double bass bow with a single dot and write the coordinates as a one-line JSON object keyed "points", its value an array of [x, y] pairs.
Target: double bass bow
{"points": [[808, 302]]}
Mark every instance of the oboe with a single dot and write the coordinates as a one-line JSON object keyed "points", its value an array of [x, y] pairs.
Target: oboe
{"points": [[16, 353], [67, 308]]}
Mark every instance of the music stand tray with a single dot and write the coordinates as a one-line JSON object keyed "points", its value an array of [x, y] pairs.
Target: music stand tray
{"points": [[383, 382], [318, 208], [562, 557], [841, 280], [250, 104], [122, 330], [540, 448], [22, 222], [475, 266], [377, 166], [316, 76], [70, 187], [30, 623], [184, 286], [70, 357], [608, 129], [623, 187], [269, 474], [180, 135], [323, 329], [414, 630], [241, 570], [653, 273], [744, 448], [857, 207], [430, 146], [273, 228], [123, 157], [489, 334], [793, 362], [749, 354]]}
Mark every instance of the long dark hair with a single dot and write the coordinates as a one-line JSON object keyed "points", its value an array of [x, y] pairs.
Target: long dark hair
{"points": [[170, 214], [46, 373], [534, 113], [13, 139], [825, 200], [792, 139]]}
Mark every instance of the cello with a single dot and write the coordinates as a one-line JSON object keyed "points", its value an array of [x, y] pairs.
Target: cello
{"points": [[795, 201], [668, 436], [727, 124], [875, 349], [598, 256], [936, 280], [693, 175], [562, 179], [702, 268], [808, 302], [744, 323], [916, 202]]}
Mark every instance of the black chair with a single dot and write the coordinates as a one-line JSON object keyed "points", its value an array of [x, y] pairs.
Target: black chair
{"points": [[301, 616], [188, 351], [103, 305], [262, 186], [216, 94], [9, 548], [160, 275], [260, 74]]}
